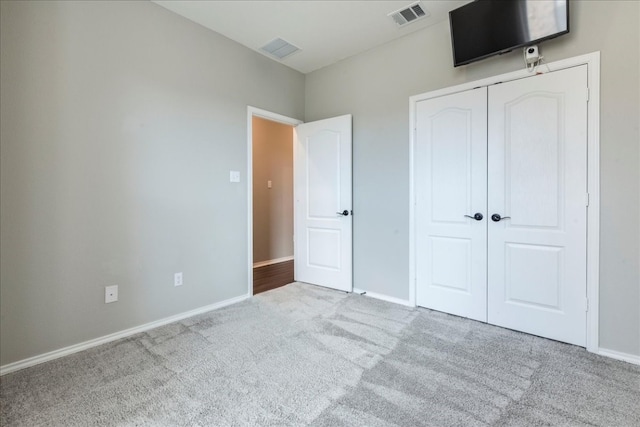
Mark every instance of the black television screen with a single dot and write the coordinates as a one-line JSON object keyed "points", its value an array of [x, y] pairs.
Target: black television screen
{"points": [[490, 27]]}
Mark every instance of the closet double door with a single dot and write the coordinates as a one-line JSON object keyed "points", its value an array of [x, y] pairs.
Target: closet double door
{"points": [[501, 204]]}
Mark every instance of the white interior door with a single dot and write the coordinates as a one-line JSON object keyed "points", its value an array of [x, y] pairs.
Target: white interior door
{"points": [[538, 183], [323, 206], [450, 183], [523, 265]]}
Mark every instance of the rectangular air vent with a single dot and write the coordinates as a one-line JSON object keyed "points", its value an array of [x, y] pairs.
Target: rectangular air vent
{"points": [[279, 48], [409, 14]]}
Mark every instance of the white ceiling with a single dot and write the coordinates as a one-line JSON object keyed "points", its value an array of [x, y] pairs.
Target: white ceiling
{"points": [[325, 31]]}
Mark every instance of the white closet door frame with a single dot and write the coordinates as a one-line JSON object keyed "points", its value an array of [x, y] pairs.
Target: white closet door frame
{"points": [[592, 60]]}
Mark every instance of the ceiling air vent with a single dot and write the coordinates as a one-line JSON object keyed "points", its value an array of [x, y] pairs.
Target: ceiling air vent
{"points": [[409, 14], [279, 48]]}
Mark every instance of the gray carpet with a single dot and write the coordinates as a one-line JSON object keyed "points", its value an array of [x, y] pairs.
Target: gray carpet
{"points": [[304, 355]]}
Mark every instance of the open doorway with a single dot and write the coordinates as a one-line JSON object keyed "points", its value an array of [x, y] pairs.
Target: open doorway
{"points": [[273, 263], [321, 195], [270, 184]]}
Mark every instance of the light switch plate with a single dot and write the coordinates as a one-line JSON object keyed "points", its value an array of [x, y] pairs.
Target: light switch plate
{"points": [[234, 176]]}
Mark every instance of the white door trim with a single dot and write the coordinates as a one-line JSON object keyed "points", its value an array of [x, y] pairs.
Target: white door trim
{"points": [[274, 117], [592, 60]]}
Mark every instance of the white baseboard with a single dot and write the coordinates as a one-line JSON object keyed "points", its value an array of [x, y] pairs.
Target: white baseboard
{"points": [[272, 261], [55, 354], [625, 357], [383, 297]]}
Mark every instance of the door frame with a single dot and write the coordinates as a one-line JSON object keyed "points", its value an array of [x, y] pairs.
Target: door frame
{"points": [[592, 60], [274, 117]]}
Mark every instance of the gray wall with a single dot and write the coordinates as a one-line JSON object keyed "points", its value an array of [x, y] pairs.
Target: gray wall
{"points": [[375, 88], [120, 123], [272, 207]]}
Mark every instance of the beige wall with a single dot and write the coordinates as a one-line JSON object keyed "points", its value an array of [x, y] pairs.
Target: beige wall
{"points": [[375, 87], [272, 207], [120, 124]]}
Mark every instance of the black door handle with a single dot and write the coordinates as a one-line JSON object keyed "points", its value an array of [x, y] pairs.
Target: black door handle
{"points": [[343, 213], [477, 216], [498, 218]]}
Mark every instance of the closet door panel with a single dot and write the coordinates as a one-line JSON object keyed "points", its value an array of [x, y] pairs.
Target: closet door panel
{"points": [[537, 159], [450, 182]]}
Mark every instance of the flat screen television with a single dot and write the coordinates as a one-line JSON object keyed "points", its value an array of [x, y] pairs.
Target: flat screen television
{"points": [[485, 28]]}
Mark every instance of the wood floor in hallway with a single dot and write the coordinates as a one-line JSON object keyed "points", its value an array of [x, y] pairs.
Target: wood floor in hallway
{"points": [[272, 276]]}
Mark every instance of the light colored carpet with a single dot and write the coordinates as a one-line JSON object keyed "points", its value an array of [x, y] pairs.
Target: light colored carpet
{"points": [[304, 355]]}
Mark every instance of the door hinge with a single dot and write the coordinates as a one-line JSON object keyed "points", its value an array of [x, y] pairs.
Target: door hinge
{"points": [[586, 199], [586, 304], [588, 94]]}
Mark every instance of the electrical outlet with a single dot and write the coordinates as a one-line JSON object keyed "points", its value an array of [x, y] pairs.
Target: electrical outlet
{"points": [[110, 294], [177, 279], [234, 176]]}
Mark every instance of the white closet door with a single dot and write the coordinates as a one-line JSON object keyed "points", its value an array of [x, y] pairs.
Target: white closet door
{"points": [[537, 169], [450, 182]]}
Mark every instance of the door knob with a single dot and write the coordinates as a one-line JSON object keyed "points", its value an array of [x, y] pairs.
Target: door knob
{"points": [[497, 217], [343, 213], [477, 216]]}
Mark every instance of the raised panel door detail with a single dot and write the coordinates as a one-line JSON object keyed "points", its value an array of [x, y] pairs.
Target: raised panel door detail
{"points": [[534, 275], [450, 164], [324, 248], [533, 160], [451, 263], [323, 169]]}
